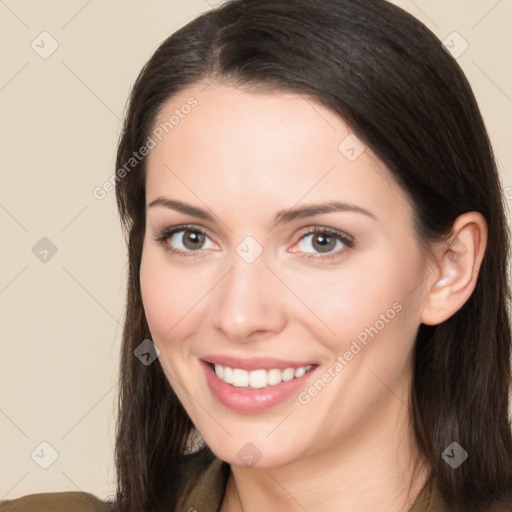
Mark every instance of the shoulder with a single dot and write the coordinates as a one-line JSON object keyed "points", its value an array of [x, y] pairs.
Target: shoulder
{"points": [[56, 502]]}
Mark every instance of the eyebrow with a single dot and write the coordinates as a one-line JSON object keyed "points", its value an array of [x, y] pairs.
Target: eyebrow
{"points": [[281, 217]]}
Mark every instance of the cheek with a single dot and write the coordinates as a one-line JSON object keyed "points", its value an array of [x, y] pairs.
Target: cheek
{"points": [[365, 308], [171, 295], [152, 290], [346, 301], [160, 293]]}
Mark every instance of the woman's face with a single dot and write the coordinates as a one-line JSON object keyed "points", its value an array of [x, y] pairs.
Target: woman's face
{"points": [[293, 247]]}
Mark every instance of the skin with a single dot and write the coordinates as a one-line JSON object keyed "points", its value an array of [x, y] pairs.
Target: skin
{"points": [[245, 155]]}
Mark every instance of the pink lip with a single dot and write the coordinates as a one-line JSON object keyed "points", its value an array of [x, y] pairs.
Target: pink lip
{"points": [[255, 363], [253, 401]]}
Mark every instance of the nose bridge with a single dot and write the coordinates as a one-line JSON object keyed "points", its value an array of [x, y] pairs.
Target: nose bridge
{"points": [[246, 300]]}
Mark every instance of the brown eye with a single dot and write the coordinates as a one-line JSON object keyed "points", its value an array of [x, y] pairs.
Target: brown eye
{"points": [[324, 241], [185, 241], [192, 240]]}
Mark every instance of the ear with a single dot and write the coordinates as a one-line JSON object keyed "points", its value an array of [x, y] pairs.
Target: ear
{"points": [[458, 262]]}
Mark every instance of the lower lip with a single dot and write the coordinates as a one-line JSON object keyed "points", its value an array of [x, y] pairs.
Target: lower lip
{"points": [[252, 400]]}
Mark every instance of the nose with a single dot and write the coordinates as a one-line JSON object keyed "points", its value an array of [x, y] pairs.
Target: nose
{"points": [[249, 302]]}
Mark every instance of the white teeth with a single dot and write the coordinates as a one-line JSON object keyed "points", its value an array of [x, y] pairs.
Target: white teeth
{"points": [[240, 378], [274, 376], [227, 375], [258, 378], [299, 372], [289, 374]]}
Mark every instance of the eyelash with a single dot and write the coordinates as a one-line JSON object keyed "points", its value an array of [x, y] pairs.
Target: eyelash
{"points": [[166, 233]]}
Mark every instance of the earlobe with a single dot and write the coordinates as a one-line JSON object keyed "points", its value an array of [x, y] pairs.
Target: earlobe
{"points": [[458, 262]]}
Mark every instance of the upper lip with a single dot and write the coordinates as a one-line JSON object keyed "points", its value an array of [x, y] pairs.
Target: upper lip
{"points": [[255, 363]]}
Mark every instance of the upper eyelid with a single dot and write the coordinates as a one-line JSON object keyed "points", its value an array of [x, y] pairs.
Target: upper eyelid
{"points": [[183, 227]]}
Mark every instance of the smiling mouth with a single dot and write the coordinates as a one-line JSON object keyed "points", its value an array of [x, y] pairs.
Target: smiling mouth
{"points": [[257, 379]]}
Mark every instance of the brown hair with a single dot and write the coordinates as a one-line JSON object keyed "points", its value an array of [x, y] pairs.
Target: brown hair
{"points": [[392, 81]]}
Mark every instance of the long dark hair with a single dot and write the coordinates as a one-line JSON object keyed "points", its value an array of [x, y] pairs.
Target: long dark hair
{"points": [[406, 97]]}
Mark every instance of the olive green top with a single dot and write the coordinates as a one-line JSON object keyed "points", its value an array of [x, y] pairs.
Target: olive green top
{"points": [[55, 502], [204, 493]]}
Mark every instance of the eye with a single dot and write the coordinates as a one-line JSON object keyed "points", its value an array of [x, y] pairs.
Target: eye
{"points": [[188, 241], [324, 241], [185, 240]]}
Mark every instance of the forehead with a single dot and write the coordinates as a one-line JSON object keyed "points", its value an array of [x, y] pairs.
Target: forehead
{"points": [[251, 147], [225, 117]]}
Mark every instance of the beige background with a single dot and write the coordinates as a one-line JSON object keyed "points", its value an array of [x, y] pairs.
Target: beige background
{"points": [[60, 124]]}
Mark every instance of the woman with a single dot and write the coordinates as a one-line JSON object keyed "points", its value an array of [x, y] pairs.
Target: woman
{"points": [[317, 303]]}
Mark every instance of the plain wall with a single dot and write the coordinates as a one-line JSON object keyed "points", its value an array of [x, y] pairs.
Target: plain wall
{"points": [[61, 318]]}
